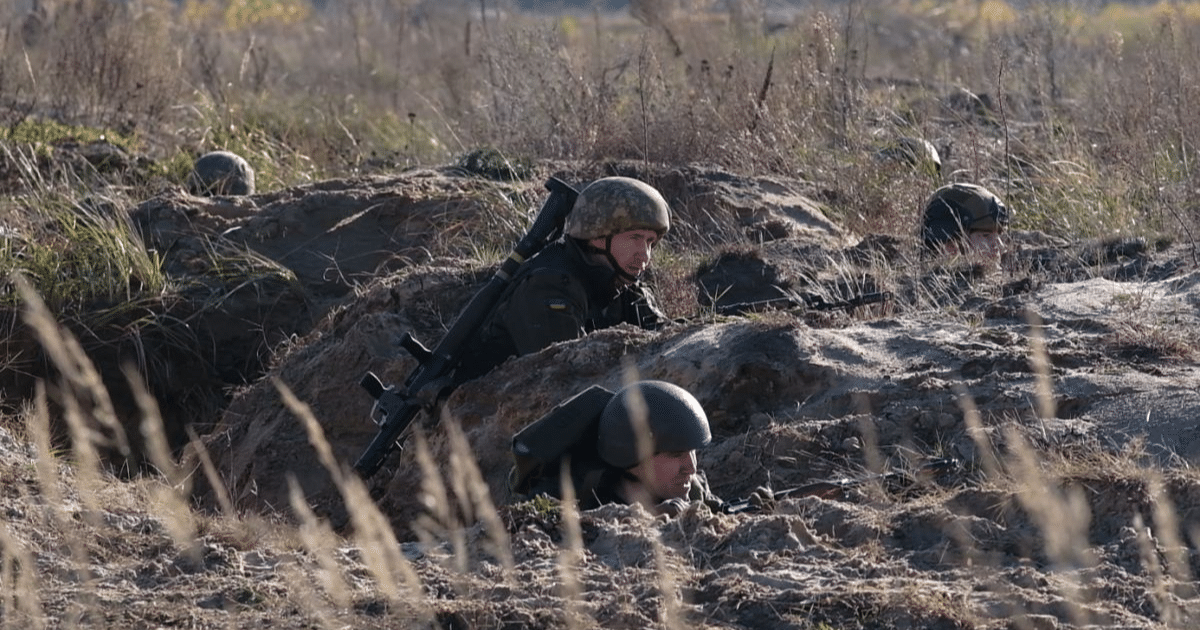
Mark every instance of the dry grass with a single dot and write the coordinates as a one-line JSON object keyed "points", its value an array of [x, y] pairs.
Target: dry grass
{"points": [[763, 94], [464, 533], [1095, 138]]}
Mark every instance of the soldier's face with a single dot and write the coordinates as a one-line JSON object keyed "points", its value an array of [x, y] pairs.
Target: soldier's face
{"points": [[667, 475], [632, 249]]}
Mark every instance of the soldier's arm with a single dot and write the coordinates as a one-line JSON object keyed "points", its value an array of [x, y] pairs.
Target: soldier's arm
{"points": [[642, 309], [698, 492], [546, 308]]}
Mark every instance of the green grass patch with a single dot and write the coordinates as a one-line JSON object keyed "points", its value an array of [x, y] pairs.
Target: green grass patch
{"points": [[83, 256], [43, 132]]}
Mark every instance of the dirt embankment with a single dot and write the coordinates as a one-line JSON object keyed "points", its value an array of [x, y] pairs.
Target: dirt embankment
{"points": [[1080, 356]]}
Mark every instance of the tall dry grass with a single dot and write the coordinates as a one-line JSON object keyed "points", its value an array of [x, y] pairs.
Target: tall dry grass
{"points": [[1090, 134], [462, 529], [1074, 114]]}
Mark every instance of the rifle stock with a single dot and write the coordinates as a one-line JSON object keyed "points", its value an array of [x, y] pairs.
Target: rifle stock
{"points": [[394, 410]]}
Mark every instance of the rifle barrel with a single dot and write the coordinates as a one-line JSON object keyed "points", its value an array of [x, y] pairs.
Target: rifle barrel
{"points": [[832, 488]]}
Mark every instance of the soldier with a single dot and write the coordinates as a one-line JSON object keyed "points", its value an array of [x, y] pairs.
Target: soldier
{"points": [[963, 218], [586, 281], [635, 446]]}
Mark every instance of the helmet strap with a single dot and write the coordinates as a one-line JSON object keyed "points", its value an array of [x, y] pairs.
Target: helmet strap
{"points": [[612, 261]]}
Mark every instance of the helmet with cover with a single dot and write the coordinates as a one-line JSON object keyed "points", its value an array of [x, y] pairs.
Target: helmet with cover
{"points": [[673, 417], [956, 210], [613, 205]]}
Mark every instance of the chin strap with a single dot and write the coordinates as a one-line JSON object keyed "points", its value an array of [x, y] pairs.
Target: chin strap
{"points": [[612, 261]]}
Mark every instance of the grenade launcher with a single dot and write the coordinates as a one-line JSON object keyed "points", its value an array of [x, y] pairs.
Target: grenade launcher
{"points": [[395, 409]]}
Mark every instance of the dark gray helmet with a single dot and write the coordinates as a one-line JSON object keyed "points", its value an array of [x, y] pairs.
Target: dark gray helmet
{"points": [[221, 173], [674, 417], [956, 210], [617, 204]]}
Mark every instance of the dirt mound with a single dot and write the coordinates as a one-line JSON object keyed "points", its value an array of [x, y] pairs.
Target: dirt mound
{"points": [[796, 395], [1069, 370], [896, 378]]}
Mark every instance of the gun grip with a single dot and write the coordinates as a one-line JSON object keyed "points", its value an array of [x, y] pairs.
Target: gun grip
{"points": [[415, 348], [372, 384]]}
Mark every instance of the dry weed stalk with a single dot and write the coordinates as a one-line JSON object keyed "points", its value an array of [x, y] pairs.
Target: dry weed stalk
{"points": [[382, 554], [195, 448], [439, 521], [78, 375], [309, 599], [639, 414], [80, 381], [1039, 360], [319, 540], [984, 447], [1061, 515], [670, 614], [1169, 550], [671, 610], [88, 477], [446, 518], [464, 467], [19, 598], [1166, 523], [1160, 593], [442, 522], [37, 427], [174, 496], [571, 558], [869, 436], [49, 480]]}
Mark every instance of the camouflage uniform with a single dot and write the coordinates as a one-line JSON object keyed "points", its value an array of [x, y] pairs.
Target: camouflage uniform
{"points": [[561, 294], [557, 296]]}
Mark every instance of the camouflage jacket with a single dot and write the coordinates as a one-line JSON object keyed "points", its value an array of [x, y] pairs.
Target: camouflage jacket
{"points": [[558, 295]]}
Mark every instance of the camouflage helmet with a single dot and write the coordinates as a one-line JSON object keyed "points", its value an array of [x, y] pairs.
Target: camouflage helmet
{"points": [[221, 173], [674, 417], [956, 210], [612, 205]]}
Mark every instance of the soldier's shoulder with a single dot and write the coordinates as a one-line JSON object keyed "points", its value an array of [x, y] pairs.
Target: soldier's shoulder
{"points": [[540, 285]]}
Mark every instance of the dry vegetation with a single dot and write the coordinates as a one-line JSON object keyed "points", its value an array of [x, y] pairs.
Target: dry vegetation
{"points": [[1080, 115]]}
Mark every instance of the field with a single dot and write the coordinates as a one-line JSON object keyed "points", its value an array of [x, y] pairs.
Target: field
{"points": [[179, 373]]}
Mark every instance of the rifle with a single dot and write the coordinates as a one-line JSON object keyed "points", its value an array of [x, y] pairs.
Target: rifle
{"points": [[833, 488], [809, 301], [394, 410]]}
